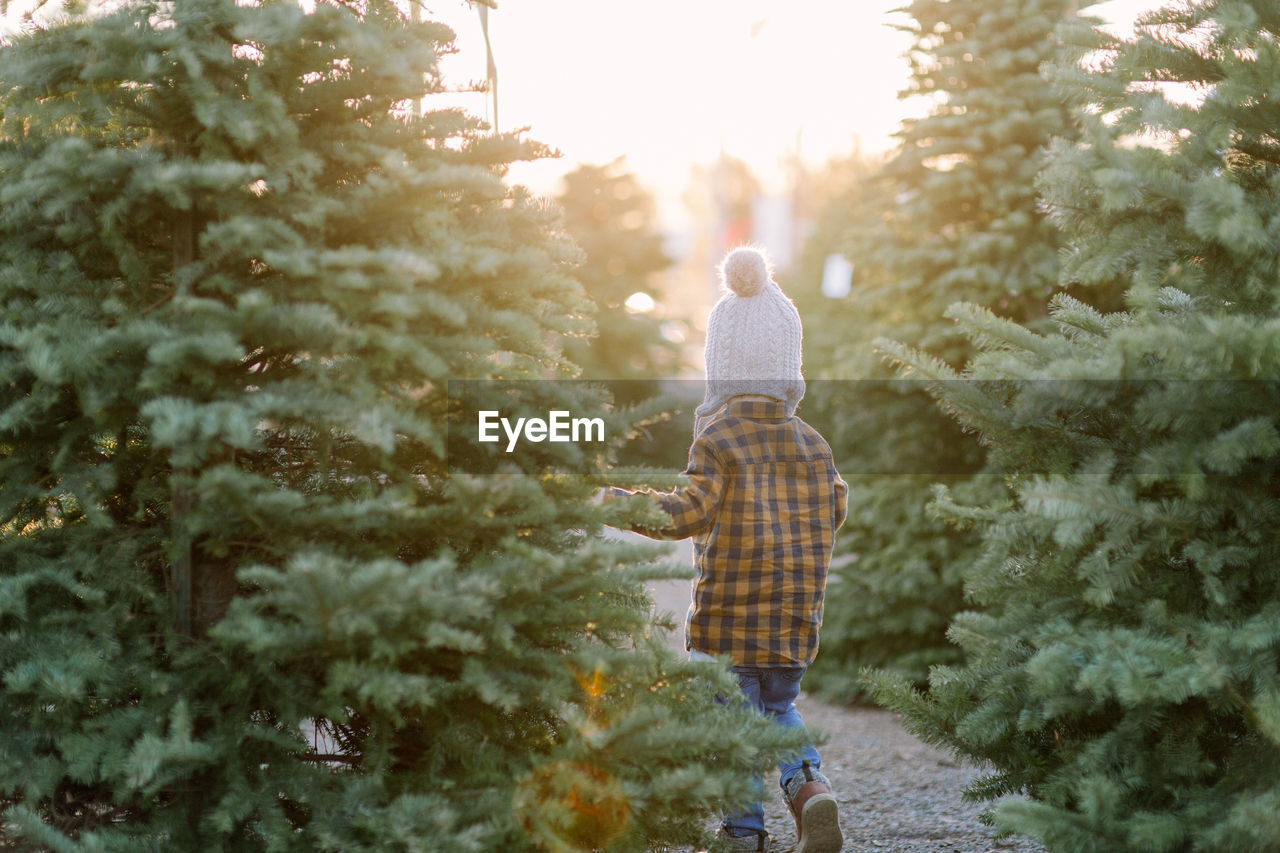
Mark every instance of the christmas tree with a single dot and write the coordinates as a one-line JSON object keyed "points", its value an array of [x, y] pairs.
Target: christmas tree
{"points": [[1121, 668], [953, 217], [964, 220], [613, 219], [249, 598]]}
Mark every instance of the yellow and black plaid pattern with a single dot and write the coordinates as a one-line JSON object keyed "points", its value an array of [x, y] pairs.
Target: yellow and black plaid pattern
{"points": [[763, 504]]}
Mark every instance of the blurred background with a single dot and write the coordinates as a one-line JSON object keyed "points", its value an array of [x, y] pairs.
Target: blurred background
{"points": [[741, 118]]}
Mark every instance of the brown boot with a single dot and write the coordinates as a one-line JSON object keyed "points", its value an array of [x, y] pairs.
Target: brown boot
{"points": [[815, 810]]}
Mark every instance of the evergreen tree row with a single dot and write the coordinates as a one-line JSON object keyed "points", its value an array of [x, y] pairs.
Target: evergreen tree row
{"points": [[951, 216], [248, 599], [1121, 667]]}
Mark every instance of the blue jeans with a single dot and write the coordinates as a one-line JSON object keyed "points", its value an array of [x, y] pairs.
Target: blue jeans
{"points": [[771, 691]]}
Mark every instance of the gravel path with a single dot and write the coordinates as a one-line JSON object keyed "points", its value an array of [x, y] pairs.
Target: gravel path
{"points": [[896, 793]]}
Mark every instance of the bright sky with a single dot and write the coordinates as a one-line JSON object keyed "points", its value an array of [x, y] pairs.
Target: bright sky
{"points": [[670, 83]]}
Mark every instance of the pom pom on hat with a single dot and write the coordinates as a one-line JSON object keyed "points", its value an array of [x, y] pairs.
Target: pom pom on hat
{"points": [[745, 271], [753, 343]]}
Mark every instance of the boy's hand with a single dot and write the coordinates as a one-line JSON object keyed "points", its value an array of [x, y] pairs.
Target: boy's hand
{"points": [[608, 494]]}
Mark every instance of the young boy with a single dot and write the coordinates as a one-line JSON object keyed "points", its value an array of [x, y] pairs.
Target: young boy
{"points": [[763, 504]]}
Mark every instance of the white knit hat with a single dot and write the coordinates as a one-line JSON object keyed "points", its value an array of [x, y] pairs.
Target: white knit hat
{"points": [[753, 338]]}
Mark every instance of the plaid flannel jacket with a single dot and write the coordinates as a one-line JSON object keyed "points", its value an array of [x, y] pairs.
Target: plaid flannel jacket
{"points": [[763, 504]]}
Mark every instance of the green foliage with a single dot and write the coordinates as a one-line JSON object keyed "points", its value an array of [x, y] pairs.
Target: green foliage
{"points": [[964, 223], [1121, 668], [847, 196], [246, 600], [612, 218], [951, 216]]}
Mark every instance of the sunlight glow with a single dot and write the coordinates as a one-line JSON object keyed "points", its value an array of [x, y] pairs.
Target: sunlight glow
{"points": [[671, 83], [640, 303]]}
